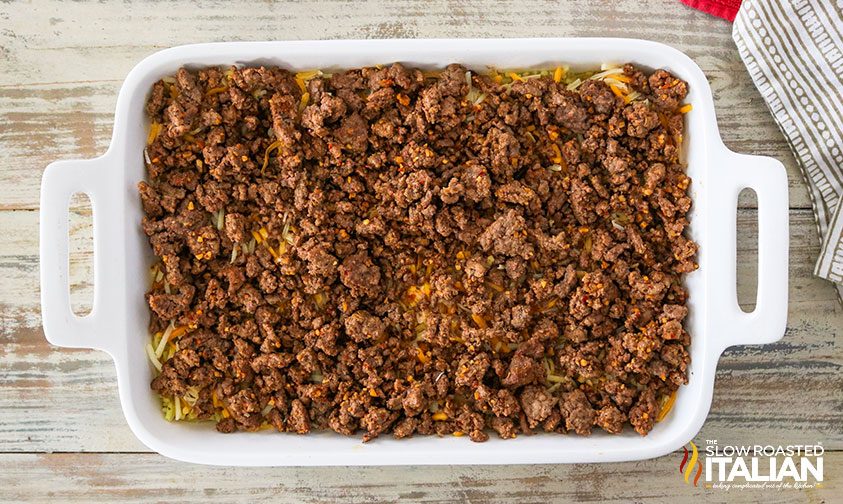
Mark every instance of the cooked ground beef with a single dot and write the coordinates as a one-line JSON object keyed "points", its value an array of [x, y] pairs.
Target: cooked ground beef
{"points": [[388, 250]]}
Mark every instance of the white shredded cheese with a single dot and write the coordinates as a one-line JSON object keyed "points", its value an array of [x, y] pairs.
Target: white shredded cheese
{"points": [[606, 73], [620, 85], [151, 353], [163, 344], [191, 396], [285, 231]]}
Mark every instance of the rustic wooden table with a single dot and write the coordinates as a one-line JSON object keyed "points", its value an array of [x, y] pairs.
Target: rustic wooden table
{"points": [[62, 434]]}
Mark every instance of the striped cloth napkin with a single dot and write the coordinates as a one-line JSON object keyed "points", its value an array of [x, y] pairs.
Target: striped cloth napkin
{"points": [[793, 50]]}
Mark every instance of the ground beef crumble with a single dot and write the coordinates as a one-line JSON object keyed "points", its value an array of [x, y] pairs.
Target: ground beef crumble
{"points": [[388, 250]]}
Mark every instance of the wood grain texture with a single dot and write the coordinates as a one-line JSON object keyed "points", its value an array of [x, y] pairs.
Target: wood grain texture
{"points": [[61, 66], [146, 478]]}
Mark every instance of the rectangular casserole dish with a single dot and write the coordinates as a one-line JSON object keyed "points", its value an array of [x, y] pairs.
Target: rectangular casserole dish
{"points": [[118, 321]]}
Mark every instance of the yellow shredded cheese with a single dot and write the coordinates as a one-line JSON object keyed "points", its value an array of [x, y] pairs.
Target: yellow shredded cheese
{"points": [[216, 90], [303, 77], [273, 146], [616, 90], [557, 154], [666, 407], [479, 320], [154, 130], [422, 356]]}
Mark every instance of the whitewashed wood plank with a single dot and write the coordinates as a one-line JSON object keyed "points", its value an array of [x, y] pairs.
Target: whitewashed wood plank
{"points": [[145, 478], [63, 63], [62, 400]]}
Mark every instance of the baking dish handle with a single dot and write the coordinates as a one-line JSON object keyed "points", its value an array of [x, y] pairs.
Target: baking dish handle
{"points": [[62, 180], [766, 324]]}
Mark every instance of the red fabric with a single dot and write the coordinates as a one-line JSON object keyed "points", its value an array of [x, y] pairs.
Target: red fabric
{"points": [[726, 9]]}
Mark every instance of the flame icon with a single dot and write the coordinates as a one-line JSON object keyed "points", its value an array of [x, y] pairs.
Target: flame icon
{"points": [[691, 464]]}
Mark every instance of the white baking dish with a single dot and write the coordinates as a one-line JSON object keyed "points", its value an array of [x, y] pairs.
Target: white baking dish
{"points": [[118, 322]]}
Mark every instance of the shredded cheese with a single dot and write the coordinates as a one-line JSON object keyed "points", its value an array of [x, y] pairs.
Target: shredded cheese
{"points": [[154, 130], [616, 90], [303, 77], [557, 154], [163, 344], [273, 146], [216, 90], [151, 353], [668, 405], [606, 73], [574, 85]]}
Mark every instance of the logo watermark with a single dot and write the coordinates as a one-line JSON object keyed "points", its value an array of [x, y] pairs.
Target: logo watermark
{"points": [[739, 467]]}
